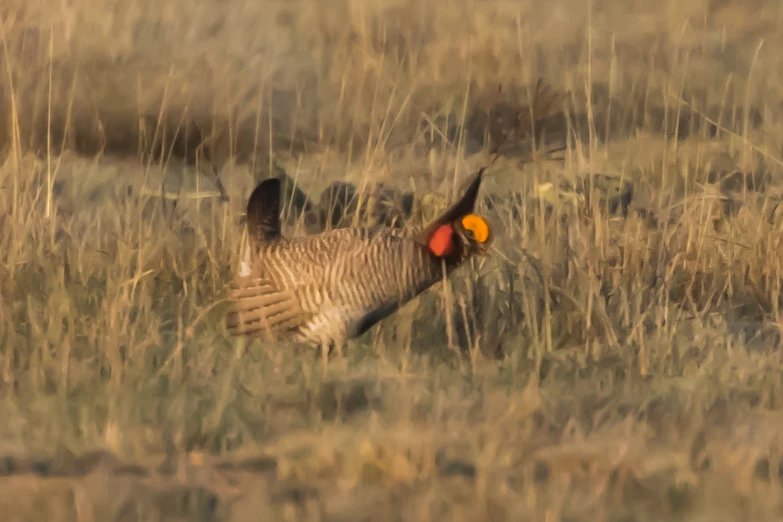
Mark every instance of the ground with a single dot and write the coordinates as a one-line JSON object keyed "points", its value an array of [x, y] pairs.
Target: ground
{"points": [[603, 365]]}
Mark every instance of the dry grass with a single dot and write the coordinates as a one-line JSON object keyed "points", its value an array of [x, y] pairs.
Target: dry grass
{"points": [[603, 368]]}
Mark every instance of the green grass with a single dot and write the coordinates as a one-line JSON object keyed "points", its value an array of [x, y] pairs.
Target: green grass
{"points": [[598, 368]]}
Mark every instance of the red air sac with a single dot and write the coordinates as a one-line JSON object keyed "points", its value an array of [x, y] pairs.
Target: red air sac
{"points": [[442, 241]]}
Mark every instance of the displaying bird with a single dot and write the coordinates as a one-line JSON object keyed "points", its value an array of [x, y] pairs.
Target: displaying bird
{"points": [[324, 289]]}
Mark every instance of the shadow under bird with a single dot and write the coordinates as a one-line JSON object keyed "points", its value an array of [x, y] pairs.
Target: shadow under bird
{"points": [[324, 289]]}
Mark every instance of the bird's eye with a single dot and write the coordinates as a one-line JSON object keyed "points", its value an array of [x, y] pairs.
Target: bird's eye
{"points": [[470, 234]]}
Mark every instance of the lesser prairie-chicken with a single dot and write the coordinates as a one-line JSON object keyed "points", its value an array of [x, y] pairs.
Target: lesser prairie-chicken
{"points": [[324, 289]]}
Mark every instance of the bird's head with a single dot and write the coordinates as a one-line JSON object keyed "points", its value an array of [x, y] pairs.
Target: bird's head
{"points": [[459, 233], [465, 236]]}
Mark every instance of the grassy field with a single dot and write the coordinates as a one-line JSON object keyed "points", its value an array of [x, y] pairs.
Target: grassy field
{"points": [[601, 366]]}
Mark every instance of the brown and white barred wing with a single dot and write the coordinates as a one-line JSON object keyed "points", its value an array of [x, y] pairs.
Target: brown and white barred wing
{"points": [[279, 286]]}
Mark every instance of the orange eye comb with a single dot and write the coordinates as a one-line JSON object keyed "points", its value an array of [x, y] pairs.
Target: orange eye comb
{"points": [[478, 225]]}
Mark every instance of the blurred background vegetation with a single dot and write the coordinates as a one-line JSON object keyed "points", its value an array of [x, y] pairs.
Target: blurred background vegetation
{"points": [[618, 359]]}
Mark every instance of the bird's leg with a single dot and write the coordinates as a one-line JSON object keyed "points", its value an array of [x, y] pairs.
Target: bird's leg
{"points": [[325, 349]]}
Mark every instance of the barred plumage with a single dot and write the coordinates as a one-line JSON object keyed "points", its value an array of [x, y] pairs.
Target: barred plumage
{"points": [[326, 288]]}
